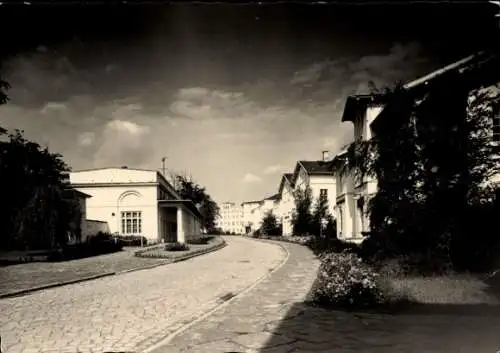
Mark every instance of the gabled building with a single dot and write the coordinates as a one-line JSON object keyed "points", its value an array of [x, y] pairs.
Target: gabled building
{"points": [[319, 177], [286, 203], [369, 113], [137, 202]]}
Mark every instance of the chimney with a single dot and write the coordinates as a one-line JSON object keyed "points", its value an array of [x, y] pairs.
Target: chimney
{"points": [[324, 156]]}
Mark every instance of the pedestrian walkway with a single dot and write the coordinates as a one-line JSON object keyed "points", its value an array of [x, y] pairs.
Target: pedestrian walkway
{"points": [[245, 325], [273, 318]]}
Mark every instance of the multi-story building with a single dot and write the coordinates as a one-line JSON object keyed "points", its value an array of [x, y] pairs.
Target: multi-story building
{"points": [[319, 177], [366, 111], [231, 218]]}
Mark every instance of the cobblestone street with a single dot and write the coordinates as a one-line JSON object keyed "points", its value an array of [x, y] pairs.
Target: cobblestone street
{"points": [[284, 324], [130, 312]]}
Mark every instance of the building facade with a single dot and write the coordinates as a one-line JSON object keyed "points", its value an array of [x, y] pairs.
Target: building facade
{"points": [[367, 111], [353, 194], [251, 214], [319, 177], [137, 202], [286, 204], [230, 219]]}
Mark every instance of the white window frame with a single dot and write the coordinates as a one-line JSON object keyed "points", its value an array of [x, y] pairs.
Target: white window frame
{"points": [[131, 222]]}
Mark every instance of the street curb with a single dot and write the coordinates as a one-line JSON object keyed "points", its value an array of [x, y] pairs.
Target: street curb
{"points": [[242, 293], [23, 292]]}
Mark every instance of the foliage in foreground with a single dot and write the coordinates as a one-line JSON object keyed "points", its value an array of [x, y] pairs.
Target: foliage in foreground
{"points": [[37, 210], [344, 280]]}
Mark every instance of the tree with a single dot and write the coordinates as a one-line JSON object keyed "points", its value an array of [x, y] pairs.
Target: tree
{"points": [[319, 216], [4, 86], [35, 212], [302, 217], [188, 189], [270, 224], [432, 160]]}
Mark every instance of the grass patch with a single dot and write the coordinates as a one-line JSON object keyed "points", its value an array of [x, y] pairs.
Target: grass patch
{"points": [[455, 289]]}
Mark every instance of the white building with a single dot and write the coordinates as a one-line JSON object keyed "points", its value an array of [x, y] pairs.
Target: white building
{"points": [[286, 203], [366, 111], [352, 195], [250, 215], [137, 202], [231, 218], [320, 178]]}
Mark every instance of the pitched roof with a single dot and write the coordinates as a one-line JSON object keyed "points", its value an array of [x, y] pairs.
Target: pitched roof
{"points": [[272, 197], [251, 202], [75, 192], [285, 177], [475, 69], [317, 167], [356, 104], [313, 168]]}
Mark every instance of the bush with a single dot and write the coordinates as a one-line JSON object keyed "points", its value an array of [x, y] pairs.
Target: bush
{"points": [[101, 243], [200, 241], [321, 245], [257, 233], [132, 240], [176, 247], [344, 280]]}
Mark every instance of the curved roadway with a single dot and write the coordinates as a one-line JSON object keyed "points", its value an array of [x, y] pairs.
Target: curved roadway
{"points": [[132, 311]]}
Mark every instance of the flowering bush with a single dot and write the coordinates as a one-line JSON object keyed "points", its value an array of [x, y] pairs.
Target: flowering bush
{"points": [[345, 280]]}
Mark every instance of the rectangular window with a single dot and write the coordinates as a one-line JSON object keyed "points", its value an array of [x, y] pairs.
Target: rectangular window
{"points": [[131, 222], [323, 192]]}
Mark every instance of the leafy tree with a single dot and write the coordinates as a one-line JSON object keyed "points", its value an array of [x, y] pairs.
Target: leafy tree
{"points": [[270, 224], [188, 189], [37, 214], [319, 216], [4, 86], [302, 217]]}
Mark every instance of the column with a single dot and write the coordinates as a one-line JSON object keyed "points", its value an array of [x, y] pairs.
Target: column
{"points": [[180, 225], [348, 217]]}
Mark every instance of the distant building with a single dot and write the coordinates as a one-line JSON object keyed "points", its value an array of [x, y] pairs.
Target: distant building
{"points": [[137, 202], [250, 215], [231, 218]]}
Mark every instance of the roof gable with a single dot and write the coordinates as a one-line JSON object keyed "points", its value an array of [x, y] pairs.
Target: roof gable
{"points": [[285, 178]]}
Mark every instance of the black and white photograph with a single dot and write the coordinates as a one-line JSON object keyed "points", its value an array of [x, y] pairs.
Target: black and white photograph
{"points": [[249, 176]]}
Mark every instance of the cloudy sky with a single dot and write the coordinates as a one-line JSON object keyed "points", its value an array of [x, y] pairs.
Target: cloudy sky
{"points": [[233, 95]]}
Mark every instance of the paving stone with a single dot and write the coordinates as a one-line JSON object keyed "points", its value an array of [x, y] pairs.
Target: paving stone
{"points": [[130, 312]]}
